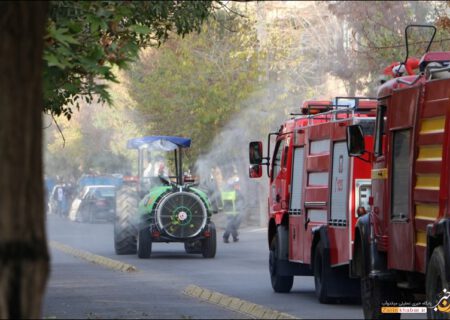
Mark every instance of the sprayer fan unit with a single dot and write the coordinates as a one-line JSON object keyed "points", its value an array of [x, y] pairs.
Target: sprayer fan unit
{"points": [[181, 214]]}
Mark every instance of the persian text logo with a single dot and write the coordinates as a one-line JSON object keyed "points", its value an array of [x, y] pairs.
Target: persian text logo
{"points": [[403, 307], [403, 310], [443, 304]]}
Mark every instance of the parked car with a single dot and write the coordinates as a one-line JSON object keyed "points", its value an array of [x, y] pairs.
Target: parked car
{"points": [[93, 204]]}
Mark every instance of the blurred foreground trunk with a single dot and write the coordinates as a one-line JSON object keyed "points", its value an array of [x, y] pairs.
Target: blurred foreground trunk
{"points": [[24, 260]]}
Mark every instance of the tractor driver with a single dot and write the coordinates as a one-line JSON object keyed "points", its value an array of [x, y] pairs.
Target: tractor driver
{"points": [[154, 170], [160, 168]]}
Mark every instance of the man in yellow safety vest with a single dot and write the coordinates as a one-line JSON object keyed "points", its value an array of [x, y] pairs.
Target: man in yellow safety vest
{"points": [[231, 200]]}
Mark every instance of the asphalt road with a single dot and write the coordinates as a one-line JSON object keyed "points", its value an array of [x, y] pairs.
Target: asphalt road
{"points": [[80, 289]]}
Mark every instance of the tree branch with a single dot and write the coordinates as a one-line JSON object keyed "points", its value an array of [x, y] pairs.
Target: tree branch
{"points": [[59, 129]]}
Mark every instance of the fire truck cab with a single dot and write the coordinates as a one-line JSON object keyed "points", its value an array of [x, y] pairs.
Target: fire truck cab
{"points": [[316, 193], [402, 248]]}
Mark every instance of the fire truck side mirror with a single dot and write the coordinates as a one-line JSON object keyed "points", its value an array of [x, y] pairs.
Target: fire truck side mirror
{"points": [[256, 152], [355, 140], [255, 171]]}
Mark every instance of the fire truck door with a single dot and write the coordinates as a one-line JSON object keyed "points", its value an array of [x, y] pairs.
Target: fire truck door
{"points": [[401, 228], [401, 248], [277, 197], [379, 174]]}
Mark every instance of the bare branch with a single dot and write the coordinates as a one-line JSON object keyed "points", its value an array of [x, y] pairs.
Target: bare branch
{"points": [[233, 11], [59, 129]]}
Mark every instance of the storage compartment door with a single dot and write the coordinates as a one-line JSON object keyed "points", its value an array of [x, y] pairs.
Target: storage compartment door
{"points": [[339, 185], [296, 204]]}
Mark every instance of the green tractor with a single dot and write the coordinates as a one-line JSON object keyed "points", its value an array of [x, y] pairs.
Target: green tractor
{"points": [[161, 207]]}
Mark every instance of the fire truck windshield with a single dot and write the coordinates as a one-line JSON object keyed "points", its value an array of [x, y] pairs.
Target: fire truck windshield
{"points": [[276, 165]]}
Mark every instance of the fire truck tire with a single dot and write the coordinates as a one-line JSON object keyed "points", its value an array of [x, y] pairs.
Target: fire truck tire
{"points": [[209, 244], [124, 229], [323, 277], [281, 284], [373, 294], [436, 283], [144, 244]]}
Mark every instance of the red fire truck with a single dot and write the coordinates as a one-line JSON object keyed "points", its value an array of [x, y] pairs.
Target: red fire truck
{"points": [[316, 193], [402, 247]]}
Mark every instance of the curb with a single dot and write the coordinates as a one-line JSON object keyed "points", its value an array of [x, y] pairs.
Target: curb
{"points": [[248, 308], [103, 261]]}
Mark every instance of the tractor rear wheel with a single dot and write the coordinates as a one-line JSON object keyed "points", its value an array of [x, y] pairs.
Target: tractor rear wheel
{"points": [[209, 244], [125, 230]]}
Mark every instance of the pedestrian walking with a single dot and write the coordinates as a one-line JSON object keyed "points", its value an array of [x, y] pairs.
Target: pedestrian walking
{"points": [[60, 200], [232, 207]]}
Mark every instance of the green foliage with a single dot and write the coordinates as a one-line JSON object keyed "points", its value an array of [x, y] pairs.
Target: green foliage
{"points": [[255, 66], [85, 39], [95, 138], [192, 87]]}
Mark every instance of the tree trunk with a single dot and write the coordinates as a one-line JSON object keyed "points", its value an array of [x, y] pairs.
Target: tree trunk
{"points": [[24, 259]]}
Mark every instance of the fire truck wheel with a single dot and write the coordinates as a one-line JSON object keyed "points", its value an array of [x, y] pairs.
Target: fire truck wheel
{"points": [[280, 284], [144, 244], [373, 294], [323, 278], [436, 283]]}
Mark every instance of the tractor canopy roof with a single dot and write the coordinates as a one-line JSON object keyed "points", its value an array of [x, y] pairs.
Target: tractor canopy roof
{"points": [[159, 143]]}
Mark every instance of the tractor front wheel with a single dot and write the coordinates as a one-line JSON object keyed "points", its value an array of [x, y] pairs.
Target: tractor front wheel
{"points": [[193, 246]]}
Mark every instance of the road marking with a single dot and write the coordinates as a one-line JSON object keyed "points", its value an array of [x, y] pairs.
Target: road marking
{"points": [[103, 261], [248, 308]]}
